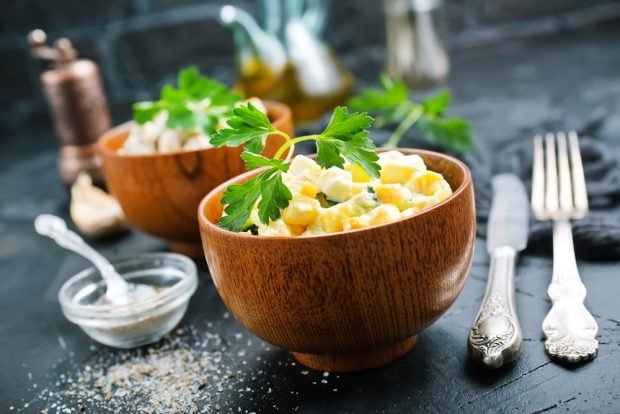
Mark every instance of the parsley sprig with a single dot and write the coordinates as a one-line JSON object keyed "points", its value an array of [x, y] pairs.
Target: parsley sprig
{"points": [[344, 138], [196, 104], [392, 105]]}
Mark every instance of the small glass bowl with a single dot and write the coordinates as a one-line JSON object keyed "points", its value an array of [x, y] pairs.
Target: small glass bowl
{"points": [[138, 323]]}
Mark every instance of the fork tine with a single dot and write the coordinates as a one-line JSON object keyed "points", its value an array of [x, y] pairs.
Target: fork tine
{"points": [[579, 179], [566, 194], [551, 173], [538, 180]]}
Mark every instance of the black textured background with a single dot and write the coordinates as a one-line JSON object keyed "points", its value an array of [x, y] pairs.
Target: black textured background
{"points": [[141, 44]]}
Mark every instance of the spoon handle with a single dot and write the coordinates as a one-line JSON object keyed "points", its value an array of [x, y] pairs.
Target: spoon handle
{"points": [[55, 228]]}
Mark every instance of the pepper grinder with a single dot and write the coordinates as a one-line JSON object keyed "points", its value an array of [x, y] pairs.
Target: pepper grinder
{"points": [[78, 106], [416, 52]]}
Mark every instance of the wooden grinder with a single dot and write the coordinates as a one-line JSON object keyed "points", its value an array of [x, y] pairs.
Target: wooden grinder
{"points": [[78, 105]]}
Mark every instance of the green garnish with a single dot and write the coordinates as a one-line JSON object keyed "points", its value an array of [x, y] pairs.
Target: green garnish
{"points": [[394, 107], [196, 104], [248, 126], [344, 138], [324, 201]]}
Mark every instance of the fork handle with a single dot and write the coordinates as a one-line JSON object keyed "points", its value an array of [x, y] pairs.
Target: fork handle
{"points": [[495, 337], [569, 328]]}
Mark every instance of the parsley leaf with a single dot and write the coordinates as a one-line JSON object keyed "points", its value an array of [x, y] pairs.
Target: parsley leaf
{"points": [[197, 103], [268, 185], [248, 126], [346, 136], [450, 133], [144, 112], [253, 161], [275, 196], [392, 105], [239, 200]]}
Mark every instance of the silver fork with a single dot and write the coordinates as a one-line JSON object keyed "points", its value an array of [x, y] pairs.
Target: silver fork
{"points": [[570, 330]]}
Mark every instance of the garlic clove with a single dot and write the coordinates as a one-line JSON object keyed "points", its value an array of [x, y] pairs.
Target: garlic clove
{"points": [[93, 211]]}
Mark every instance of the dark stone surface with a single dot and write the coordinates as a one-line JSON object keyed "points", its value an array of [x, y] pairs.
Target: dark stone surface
{"points": [[508, 93]]}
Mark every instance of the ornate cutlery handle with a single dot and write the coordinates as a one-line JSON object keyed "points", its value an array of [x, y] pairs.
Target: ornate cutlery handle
{"points": [[569, 328], [495, 337]]}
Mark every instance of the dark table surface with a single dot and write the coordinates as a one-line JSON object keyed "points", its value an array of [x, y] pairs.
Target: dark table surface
{"points": [[507, 92]]}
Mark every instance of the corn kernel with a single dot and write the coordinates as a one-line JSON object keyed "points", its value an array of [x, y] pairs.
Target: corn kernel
{"points": [[391, 193], [332, 219], [296, 230], [302, 165], [358, 174], [353, 223], [383, 214], [427, 183], [308, 190], [301, 211]]}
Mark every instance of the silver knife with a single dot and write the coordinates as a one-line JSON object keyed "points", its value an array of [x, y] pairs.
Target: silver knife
{"points": [[495, 337]]}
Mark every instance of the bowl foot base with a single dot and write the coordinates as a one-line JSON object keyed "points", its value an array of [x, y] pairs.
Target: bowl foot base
{"points": [[193, 250], [356, 361]]}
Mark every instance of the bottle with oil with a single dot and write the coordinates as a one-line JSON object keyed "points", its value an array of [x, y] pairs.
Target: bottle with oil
{"points": [[286, 60]]}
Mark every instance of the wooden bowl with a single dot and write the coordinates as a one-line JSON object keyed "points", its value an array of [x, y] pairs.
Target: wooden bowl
{"points": [[352, 300], [160, 193]]}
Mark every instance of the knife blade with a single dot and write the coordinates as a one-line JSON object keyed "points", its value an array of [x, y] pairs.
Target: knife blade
{"points": [[495, 337]]}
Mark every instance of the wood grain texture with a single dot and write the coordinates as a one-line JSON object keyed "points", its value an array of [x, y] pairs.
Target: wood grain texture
{"points": [[160, 193], [348, 293]]}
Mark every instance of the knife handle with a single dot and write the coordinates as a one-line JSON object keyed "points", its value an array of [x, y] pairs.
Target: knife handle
{"points": [[495, 337]]}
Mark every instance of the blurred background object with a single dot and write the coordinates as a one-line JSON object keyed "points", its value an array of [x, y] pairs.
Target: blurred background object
{"points": [[77, 103], [415, 41], [141, 44], [285, 59]]}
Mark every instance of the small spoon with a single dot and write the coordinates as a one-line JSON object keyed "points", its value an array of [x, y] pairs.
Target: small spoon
{"points": [[118, 291]]}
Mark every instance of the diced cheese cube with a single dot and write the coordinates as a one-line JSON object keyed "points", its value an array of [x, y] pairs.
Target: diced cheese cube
{"points": [[274, 229], [336, 184], [301, 211], [357, 173], [383, 214], [301, 165], [363, 202], [389, 156], [400, 170]]}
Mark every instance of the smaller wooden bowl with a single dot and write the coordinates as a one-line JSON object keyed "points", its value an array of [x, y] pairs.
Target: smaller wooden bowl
{"points": [[160, 193], [352, 300]]}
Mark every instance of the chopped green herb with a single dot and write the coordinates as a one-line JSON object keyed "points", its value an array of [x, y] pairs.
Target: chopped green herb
{"points": [[196, 104], [248, 126], [324, 201]]}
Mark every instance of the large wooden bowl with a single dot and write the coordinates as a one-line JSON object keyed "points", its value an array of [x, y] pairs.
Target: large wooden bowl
{"points": [[352, 300], [160, 193]]}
